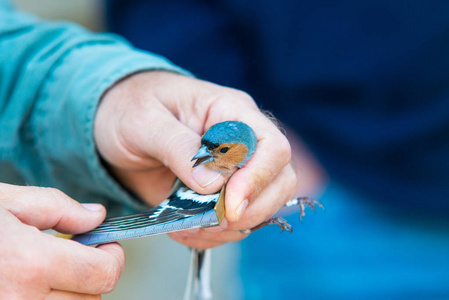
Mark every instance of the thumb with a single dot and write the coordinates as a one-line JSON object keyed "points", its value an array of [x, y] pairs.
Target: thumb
{"points": [[47, 208], [175, 145]]}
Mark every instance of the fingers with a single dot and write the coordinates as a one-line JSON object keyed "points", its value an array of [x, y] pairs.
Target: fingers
{"points": [[36, 262], [150, 131], [29, 204], [269, 201], [161, 123], [82, 269], [271, 157], [192, 242], [63, 295], [175, 145], [273, 151], [207, 238]]}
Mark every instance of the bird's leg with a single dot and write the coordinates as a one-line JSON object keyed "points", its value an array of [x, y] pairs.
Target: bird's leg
{"points": [[199, 280], [301, 202], [281, 222]]}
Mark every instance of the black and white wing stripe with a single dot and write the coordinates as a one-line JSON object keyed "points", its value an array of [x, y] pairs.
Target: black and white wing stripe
{"points": [[187, 202], [183, 203]]}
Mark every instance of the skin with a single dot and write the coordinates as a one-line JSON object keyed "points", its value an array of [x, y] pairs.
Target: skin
{"points": [[36, 265], [147, 129], [176, 111]]}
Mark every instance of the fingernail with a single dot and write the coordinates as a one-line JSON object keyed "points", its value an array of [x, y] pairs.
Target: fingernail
{"points": [[223, 226], [92, 206], [241, 209], [204, 176]]}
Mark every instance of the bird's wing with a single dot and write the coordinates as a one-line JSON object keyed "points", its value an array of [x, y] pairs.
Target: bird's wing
{"points": [[183, 203], [187, 202], [134, 221]]}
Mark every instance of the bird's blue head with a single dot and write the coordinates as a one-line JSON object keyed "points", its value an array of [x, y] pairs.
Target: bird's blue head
{"points": [[226, 146]]}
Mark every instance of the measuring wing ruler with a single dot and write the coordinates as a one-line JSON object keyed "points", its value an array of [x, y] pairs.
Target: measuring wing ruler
{"points": [[206, 211]]}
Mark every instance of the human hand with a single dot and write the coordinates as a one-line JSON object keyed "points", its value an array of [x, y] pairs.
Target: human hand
{"points": [[36, 265], [149, 126]]}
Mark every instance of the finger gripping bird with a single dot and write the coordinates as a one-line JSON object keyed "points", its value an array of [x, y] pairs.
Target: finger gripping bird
{"points": [[225, 147]]}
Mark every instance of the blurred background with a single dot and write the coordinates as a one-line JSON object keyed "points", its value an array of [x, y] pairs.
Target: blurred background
{"points": [[363, 90], [90, 14]]}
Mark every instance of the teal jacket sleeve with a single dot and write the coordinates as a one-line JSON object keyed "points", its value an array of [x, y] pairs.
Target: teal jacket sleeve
{"points": [[52, 75]]}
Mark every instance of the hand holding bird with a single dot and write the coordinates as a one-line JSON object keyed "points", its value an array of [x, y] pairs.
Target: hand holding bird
{"points": [[149, 126], [225, 148]]}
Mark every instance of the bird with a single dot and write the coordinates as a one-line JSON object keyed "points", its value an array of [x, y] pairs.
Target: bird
{"points": [[225, 148]]}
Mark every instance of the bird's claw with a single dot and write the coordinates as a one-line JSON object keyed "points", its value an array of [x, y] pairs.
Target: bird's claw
{"points": [[303, 201], [279, 221]]}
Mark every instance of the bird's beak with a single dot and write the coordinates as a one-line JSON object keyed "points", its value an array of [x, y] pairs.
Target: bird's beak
{"points": [[203, 156]]}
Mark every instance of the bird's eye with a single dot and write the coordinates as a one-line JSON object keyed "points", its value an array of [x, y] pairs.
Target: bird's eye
{"points": [[224, 149]]}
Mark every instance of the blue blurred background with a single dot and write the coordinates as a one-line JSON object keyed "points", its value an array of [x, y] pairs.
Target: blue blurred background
{"points": [[363, 87], [365, 84]]}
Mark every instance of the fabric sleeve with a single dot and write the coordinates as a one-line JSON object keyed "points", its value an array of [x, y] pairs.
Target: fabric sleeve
{"points": [[52, 75]]}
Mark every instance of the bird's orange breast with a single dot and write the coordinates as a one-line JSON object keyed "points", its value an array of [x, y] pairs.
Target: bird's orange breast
{"points": [[228, 162]]}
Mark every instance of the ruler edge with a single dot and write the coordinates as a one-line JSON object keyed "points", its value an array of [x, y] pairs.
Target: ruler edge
{"points": [[219, 210]]}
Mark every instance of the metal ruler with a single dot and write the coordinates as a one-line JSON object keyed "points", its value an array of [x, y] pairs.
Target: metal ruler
{"points": [[205, 219], [146, 224]]}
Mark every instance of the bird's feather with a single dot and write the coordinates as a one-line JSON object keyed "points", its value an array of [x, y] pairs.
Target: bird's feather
{"points": [[181, 204]]}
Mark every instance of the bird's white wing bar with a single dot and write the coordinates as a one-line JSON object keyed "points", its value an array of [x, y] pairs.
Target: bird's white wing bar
{"points": [[188, 194]]}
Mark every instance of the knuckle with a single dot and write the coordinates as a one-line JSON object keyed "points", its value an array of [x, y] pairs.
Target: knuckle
{"points": [[254, 218], [111, 277], [284, 149], [244, 96], [56, 194], [292, 185], [97, 279], [238, 96], [110, 282], [33, 268]]}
